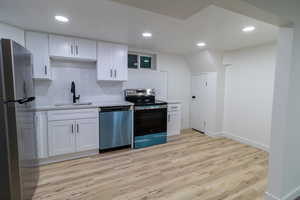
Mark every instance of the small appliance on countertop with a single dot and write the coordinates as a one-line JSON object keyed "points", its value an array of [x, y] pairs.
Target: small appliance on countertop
{"points": [[150, 118]]}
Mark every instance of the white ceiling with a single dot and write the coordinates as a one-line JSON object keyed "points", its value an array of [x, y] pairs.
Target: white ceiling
{"points": [[111, 21], [174, 8]]}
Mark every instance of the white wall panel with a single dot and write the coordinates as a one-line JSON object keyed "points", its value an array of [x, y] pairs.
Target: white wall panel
{"points": [[249, 89], [11, 32]]}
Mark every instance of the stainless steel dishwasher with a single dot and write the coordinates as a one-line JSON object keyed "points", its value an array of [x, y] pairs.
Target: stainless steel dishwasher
{"points": [[116, 127]]}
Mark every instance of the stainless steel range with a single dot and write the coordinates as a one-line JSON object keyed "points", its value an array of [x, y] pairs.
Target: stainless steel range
{"points": [[150, 118]]}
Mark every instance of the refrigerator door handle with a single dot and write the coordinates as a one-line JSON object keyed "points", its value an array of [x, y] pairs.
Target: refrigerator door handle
{"points": [[20, 101]]}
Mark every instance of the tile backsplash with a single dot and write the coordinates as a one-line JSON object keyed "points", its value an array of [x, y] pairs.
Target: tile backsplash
{"points": [[85, 77]]}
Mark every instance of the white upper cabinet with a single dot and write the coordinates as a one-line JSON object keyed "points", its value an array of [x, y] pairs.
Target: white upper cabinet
{"points": [[121, 54], [86, 49], [37, 43], [61, 47], [104, 62], [72, 48], [112, 62]]}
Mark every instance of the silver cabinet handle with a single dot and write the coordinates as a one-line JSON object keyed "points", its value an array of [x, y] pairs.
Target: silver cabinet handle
{"points": [[115, 73], [72, 50], [77, 128], [111, 72], [72, 128], [169, 117], [77, 50], [46, 70]]}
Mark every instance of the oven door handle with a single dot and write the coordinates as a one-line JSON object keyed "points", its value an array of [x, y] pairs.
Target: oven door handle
{"points": [[150, 107]]}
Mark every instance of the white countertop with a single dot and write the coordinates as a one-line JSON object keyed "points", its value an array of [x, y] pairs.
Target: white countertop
{"points": [[93, 105], [112, 103], [173, 101]]}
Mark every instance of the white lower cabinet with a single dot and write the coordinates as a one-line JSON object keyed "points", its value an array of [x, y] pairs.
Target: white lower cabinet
{"points": [[61, 136], [27, 142], [87, 134], [41, 126], [174, 119], [71, 136], [67, 133]]}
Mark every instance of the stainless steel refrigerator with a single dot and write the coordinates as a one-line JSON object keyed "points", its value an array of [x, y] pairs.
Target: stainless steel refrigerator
{"points": [[18, 151]]}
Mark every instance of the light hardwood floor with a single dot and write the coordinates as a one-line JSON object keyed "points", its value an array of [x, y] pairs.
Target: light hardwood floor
{"points": [[191, 167]]}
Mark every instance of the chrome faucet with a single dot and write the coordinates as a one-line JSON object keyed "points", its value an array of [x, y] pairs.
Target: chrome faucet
{"points": [[73, 90]]}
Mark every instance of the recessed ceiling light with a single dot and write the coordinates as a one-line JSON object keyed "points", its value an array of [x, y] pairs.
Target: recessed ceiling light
{"points": [[201, 44], [61, 18], [147, 34], [249, 28]]}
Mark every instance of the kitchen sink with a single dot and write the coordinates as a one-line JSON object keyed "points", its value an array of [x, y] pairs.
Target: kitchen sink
{"points": [[74, 104]]}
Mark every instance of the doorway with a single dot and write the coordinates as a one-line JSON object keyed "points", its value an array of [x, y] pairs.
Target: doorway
{"points": [[203, 102]]}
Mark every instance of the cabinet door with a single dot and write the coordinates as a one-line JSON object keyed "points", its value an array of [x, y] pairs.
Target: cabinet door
{"points": [[87, 134], [41, 126], [174, 123], [112, 62], [85, 49], [61, 137], [105, 62], [61, 47], [121, 59], [38, 43], [28, 143]]}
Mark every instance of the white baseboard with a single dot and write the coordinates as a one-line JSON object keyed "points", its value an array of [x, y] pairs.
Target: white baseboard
{"points": [[290, 196], [246, 141], [213, 134], [270, 196], [72, 156], [293, 194]]}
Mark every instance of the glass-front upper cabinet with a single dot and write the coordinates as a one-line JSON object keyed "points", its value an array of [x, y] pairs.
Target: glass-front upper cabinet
{"points": [[133, 61], [145, 62], [141, 61]]}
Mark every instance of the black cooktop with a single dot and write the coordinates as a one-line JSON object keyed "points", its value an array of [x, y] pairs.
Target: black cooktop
{"points": [[153, 103]]}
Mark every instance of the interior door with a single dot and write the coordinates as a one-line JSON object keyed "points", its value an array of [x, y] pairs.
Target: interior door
{"points": [[198, 102]]}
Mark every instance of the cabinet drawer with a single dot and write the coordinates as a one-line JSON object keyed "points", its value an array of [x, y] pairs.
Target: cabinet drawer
{"points": [[150, 140], [174, 107], [72, 114]]}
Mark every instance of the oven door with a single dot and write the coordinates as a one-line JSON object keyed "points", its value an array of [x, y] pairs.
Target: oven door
{"points": [[150, 120]]}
